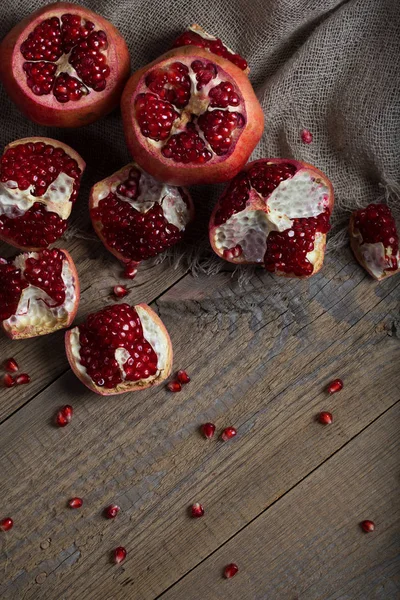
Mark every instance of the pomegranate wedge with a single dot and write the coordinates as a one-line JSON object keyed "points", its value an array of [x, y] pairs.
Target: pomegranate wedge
{"points": [[120, 349]]}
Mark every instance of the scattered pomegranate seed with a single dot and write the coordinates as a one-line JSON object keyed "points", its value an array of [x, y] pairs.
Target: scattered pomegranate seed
{"points": [[197, 510], [208, 430], [6, 524], [22, 379], [120, 291], [75, 502], [64, 415], [182, 377], [326, 418], [174, 386], [111, 511], [230, 570], [228, 433], [306, 136], [8, 380], [119, 554], [131, 270], [335, 386], [11, 365], [367, 526]]}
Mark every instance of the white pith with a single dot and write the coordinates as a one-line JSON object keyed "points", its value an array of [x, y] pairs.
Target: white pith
{"points": [[301, 196], [35, 308], [15, 202], [374, 256]]}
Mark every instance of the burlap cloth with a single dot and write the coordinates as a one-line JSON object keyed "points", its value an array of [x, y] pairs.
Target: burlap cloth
{"points": [[332, 67]]}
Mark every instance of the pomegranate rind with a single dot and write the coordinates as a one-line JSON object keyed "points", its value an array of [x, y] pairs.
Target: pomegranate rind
{"points": [[102, 188], [130, 386], [174, 173], [320, 240], [41, 328], [46, 110]]}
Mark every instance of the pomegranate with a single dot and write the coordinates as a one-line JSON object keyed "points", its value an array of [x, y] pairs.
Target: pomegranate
{"points": [[276, 211], [39, 183], [191, 116], [64, 65], [39, 293], [375, 241], [137, 217], [120, 349]]}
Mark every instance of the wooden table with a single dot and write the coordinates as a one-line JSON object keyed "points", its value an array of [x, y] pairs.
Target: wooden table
{"points": [[283, 499]]}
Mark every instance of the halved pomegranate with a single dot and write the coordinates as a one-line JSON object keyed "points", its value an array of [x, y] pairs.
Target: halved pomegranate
{"points": [[39, 183], [64, 65], [39, 293], [275, 212], [191, 117], [120, 349], [375, 241], [136, 217]]}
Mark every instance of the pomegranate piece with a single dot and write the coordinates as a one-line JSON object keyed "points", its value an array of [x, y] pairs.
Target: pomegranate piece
{"points": [[6, 524], [208, 430], [39, 183], [275, 212], [137, 217], [39, 293], [75, 503], [325, 418], [197, 510], [120, 349], [64, 65], [367, 526], [120, 291], [306, 136], [111, 511], [182, 377], [119, 555], [375, 241], [335, 386], [228, 434], [64, 415], [174, 386], [184, 133], [11, 365], [8, 380], [230, 570]]}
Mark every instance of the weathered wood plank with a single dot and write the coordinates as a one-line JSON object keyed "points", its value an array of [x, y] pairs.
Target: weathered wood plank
{"points": [[309, 544]]}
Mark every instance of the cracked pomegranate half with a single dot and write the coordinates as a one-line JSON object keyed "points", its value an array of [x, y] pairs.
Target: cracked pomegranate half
{"points": [[136, 217], [375, 241], [39, 293], [64, 65], [275, 212], [191, 117], [120, 349], [39, 183]]}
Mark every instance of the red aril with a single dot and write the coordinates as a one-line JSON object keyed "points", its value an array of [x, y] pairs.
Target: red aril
{"points": [[228, 433], [306, 136], [191, 117], [325, 418], [120, 349], [64, 415], [335, 386], [39, 183], [137, 217], [230, 570], [197, 510], [11, 365], [22, 379], [275, 212], [39, 293], [375, 241], [8, 380], [367, 526], [208, 430], [120, 291], [182, 377], [75, 503], [6, 524], [64, 65], [131, 270], [111, 511], [119, 555], [174, 386]]}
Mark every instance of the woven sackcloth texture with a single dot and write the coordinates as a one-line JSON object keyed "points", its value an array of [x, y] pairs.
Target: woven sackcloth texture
{"points": [[330, 66]]}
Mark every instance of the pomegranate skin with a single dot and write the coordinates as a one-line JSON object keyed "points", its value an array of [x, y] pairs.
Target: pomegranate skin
{"points": [[154, 163], [46, 110]]}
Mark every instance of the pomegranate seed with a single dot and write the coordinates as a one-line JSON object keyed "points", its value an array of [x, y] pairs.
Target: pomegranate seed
{"points": [[75, 502], [22, 379], [367, 526], [120, 291], [174, 386], [182, 377], [111, 511], [197, 510], [335, 386], [228, 433], [119, 554], [11, 365], [6, 524], [325, 418], [230, 570], [64, 415], [131, 270], [306, 136], [208, 430], [8, 380]]}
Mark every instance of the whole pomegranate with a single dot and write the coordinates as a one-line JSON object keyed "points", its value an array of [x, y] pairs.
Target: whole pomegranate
{"points": [[191, 116], [64, 65], [120, 349], [275, 212], [375, 241], [39, 183], [39, 293], [137, 217]]}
